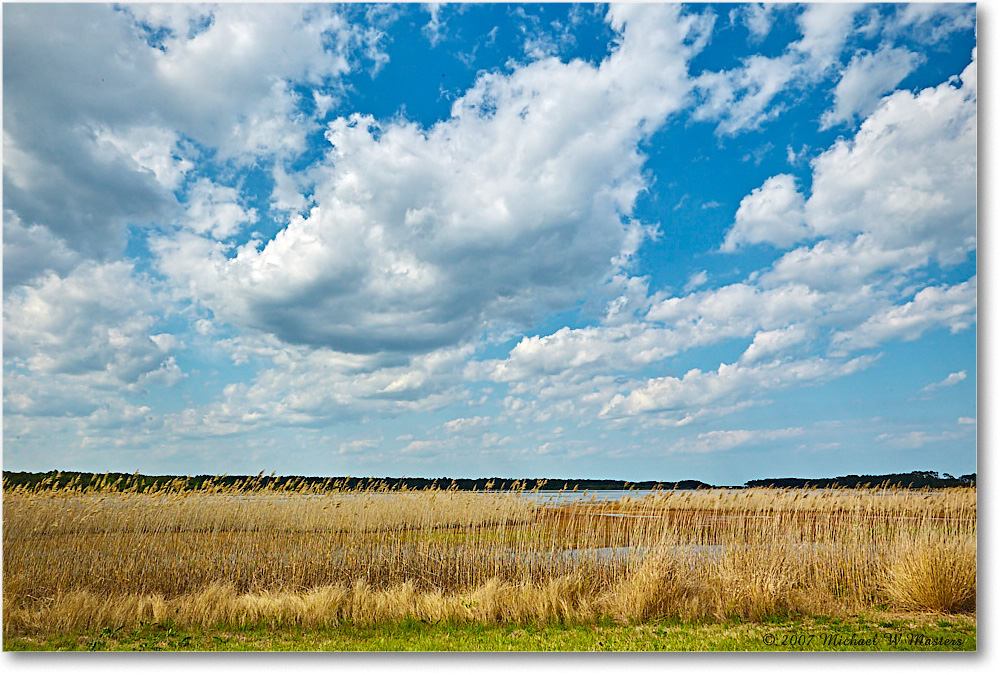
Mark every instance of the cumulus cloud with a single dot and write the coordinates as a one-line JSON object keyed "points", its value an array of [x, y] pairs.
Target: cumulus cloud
{"points": [[757, 17], [952, 306], [900, 193], [64, 79], [867, 77], [908, 176], [580, 369], [152, 149], [825, 28], [685, 398], [421, 237], [88, 336], [746, 97], [227, 73], [299, 386], [742, 98], [736, 310], [848, 289], [29, 252], [930, 23], [571, 360], [583, 350], [359, 446], [464, 425], [100, 104], [831, 265], [695, 281], [773, 213], [770, 343], [216, 210]]}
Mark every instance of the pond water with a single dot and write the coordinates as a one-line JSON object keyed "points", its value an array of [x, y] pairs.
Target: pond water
{"points": [[625, 553], [569, 496]]}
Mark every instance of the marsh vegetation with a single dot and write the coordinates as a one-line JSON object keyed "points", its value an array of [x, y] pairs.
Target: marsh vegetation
{"points": [[114, 556]]}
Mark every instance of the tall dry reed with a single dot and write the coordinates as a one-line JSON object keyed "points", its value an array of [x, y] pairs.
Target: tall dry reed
{"points": [[76, 558]]}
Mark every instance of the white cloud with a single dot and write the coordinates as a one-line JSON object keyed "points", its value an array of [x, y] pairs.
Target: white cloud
{"points": [[953, 307], [433, 30], [86, 337], [227, 82], [64, 81], [698, 392], [464, 425], [98, 122], [580, 370], [299, 386], [422, 448], [543, 39], [578, 363], [767, 344], [757, 17], [741, 98], [846, 286], [931, 23], [884, 204], [843, 266], [119, 417], [695, 281], [361, 446], [772, 213], [909, 175], [950, 381], [29, 252], [867, 77], [838, 289], [721, 441], [215, 209], [736, 310], [95, 320], [421, 237], [913, 440], [152, 149], [825, 28], [288, 193]]}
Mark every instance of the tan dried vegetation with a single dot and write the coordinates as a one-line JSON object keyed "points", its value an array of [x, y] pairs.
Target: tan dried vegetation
{"points": [[110, 557]]}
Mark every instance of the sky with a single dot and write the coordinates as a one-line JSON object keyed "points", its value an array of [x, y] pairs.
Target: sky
{"points": [[643, 242]]}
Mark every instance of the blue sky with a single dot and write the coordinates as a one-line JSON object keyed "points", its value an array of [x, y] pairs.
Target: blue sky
{"points": [[720, 242]]}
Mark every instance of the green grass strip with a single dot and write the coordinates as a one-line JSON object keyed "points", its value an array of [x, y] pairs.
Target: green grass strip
{"points": [[799, 634]]}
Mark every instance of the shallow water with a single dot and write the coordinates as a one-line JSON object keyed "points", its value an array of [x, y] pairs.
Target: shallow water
{"points": [[569, 496]]}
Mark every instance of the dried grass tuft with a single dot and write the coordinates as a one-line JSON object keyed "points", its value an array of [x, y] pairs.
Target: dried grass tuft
{"points": [[933, 572]]}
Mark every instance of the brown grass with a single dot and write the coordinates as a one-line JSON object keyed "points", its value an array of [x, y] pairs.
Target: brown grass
{"points": [[933, 572], [84, 559]]}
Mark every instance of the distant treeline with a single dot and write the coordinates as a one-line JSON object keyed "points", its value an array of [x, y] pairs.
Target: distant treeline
{"points": [[140, 483], [914, 479]]}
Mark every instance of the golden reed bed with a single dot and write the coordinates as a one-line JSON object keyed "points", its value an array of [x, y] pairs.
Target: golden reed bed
{"points": [[84, 559]]}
